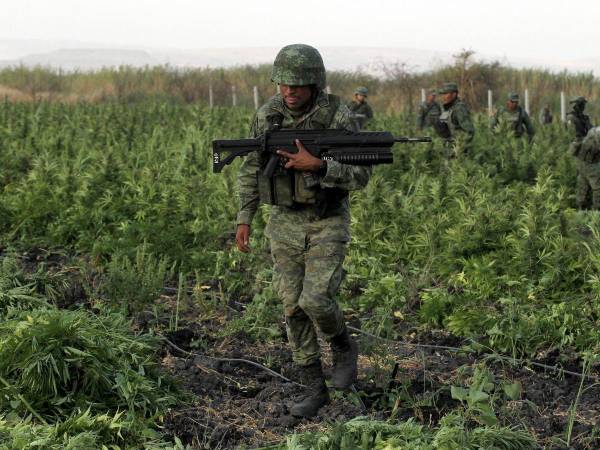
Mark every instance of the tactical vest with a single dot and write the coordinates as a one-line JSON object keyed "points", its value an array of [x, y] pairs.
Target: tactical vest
{"points": [[445, 125], [581, 122], [515, 120], [295, 189]]}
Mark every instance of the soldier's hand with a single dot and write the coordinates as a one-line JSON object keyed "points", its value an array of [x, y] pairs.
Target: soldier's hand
{"points": [[242, 238], [302, 161]]}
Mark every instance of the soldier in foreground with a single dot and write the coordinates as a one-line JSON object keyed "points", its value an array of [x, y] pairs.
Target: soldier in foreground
{"points": [[577, 120], [360, 110], [455, 119], [587, 152], [514, 115], [429, 111], [546, 116], [309, 235]]}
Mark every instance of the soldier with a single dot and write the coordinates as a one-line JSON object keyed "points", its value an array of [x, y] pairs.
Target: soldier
{"points": [[576, 119], [429, 111], [360, 110], [309, 223], [455, 118], [587, 152], [514, 115], [546, 115]]}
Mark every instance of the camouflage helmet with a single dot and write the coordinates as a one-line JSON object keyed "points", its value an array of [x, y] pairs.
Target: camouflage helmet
{"points": [[361, 90], [299, 65], [513, 97], [591, 142], [448, 87], [579, 99]]}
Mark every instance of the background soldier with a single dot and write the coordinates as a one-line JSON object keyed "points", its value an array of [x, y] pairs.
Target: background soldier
{"points": [[587, 152], [309, 223], [514, 115], [360, 109], [455, 118], [546, 115], [576, 119], [429, 111]]}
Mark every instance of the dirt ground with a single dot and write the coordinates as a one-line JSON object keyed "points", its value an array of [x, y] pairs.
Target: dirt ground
{"points": [[233, 404], [237, 405]]}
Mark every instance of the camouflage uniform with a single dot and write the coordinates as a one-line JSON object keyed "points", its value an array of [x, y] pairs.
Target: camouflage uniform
{"points": [[518, 119], [428, 114], [308, 243], [587, 152], [361, 112], [546, 116], [576, 119], [455, 118]]}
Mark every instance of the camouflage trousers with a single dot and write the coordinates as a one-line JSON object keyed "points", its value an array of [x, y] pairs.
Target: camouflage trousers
{"points": [[307, 274], [588, 185]]}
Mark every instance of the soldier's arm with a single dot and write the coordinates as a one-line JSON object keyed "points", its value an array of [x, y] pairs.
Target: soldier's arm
{"points": [[588, 123], [420, 118], [465, 123], [369, 112], [248, 184], [528, 124], [345, 176]]}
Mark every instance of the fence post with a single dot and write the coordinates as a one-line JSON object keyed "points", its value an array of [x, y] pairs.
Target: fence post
{"points": [[563, 107], [255, 97], [490, 103], [211, 96], [233, 95], [423, 97], [527, 101]]}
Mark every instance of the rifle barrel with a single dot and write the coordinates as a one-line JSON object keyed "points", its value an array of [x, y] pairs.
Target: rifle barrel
{"points": [[413, 139]]}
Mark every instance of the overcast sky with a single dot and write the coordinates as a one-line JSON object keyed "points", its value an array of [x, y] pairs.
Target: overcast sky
{"points": [[513, 28]]}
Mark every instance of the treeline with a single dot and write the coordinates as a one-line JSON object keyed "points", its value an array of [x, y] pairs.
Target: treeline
{"points": [[398, 89]]}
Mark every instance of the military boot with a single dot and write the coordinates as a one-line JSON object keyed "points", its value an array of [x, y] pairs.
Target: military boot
{"points": [[345, 356], [316, 394]]}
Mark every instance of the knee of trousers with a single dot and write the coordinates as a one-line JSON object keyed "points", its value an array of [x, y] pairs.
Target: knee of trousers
{"points": [[288, 289], [324, 312]]}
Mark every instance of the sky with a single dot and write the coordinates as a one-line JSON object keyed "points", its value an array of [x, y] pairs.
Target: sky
{"points": [[533, 29]]}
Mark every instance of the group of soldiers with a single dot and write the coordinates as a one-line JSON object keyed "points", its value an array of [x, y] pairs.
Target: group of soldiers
{"points": [[453, 117], [309, 225]]}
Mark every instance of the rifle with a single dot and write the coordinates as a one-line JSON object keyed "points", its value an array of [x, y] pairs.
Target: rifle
{"points": [[364, 148]]}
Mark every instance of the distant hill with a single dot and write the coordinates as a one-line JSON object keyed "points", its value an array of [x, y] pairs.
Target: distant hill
{"points": [[336, 58], [86, 59], [76, 55]]}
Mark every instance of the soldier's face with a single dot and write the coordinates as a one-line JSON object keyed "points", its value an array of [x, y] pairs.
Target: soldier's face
{"points": [[449, 97], [430, 98], [511, 106], [359, 98], [295, 97]]}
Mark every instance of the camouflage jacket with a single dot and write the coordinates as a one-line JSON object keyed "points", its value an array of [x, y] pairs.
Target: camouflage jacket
{"points": [[360, 112], [546, 117], [518, 120], [341, 176], [455, 117], [580, 123], [428, 115]]}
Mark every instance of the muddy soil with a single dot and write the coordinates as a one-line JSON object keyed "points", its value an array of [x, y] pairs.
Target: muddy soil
{"points": [[237, 405]]}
